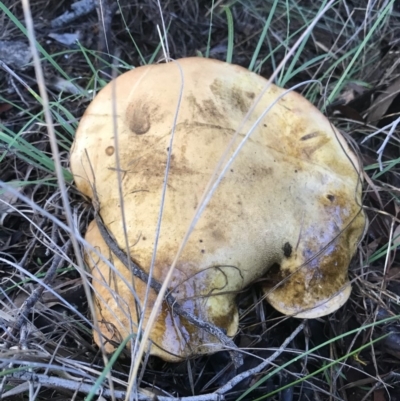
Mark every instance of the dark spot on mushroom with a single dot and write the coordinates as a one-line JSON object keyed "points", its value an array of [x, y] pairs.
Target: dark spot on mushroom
{"points": [[251, 95], [274, 274], [295, 171], [330, 197], [287, 250], [200, 240], [218, 235], [238, 100], [265, 125], [309, 136], [207, 109], [211, 109], [139, 118], [144, 238], [236, 96], [109, 150], [231, 170], [202, 251]]}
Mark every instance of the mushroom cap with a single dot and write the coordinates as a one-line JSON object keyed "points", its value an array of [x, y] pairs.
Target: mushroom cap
{"points": [[290, 201]]}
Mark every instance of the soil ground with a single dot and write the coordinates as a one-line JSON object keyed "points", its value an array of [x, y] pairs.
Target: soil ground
{"points": [[52, 334]]}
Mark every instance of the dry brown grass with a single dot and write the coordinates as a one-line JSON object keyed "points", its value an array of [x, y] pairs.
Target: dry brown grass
{"points": [[55, 334]]}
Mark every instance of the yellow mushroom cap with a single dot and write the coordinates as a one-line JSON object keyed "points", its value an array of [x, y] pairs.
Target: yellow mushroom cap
{"points": [[291, 200]]}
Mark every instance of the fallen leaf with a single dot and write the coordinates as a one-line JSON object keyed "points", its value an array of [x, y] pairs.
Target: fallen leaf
{"points": [[379, 395], [383, 102], [5, 107]]}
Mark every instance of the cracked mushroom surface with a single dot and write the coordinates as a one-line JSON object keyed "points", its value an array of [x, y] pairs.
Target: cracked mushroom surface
{"points": [[288, 210]]}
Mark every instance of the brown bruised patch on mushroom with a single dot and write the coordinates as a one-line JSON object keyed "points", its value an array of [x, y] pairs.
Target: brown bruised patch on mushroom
{"points": [[238, 97], [290, 213], [140, 115], [208, 109], [316, 283], [309, 136], [109, 150], [139, 118], [250, 95]]}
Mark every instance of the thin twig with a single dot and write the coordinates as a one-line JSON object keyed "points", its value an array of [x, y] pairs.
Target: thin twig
{"points": [[54, 150], [237, 379], [84, 387], [105, 12], [79, 9], [37, 293]]}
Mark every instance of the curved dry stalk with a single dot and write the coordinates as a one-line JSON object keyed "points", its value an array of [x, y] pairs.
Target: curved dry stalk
{"points": [[86, 387], [56, 154], [62, 226], [53, 140], [162, 200], [170, 299], [30, 302]]}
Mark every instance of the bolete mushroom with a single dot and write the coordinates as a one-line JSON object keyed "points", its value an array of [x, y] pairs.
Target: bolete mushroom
{"points": [[290, 201]]}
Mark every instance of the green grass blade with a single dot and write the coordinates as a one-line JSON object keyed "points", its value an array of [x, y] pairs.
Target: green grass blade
{"points": [[349, 67], [207, 55], [27, 152], [229, 19], [154, 55], [107, 369], [296, 56], [262, 36], [143, 60], [321, 370], [18, 24], [312, 350]]}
